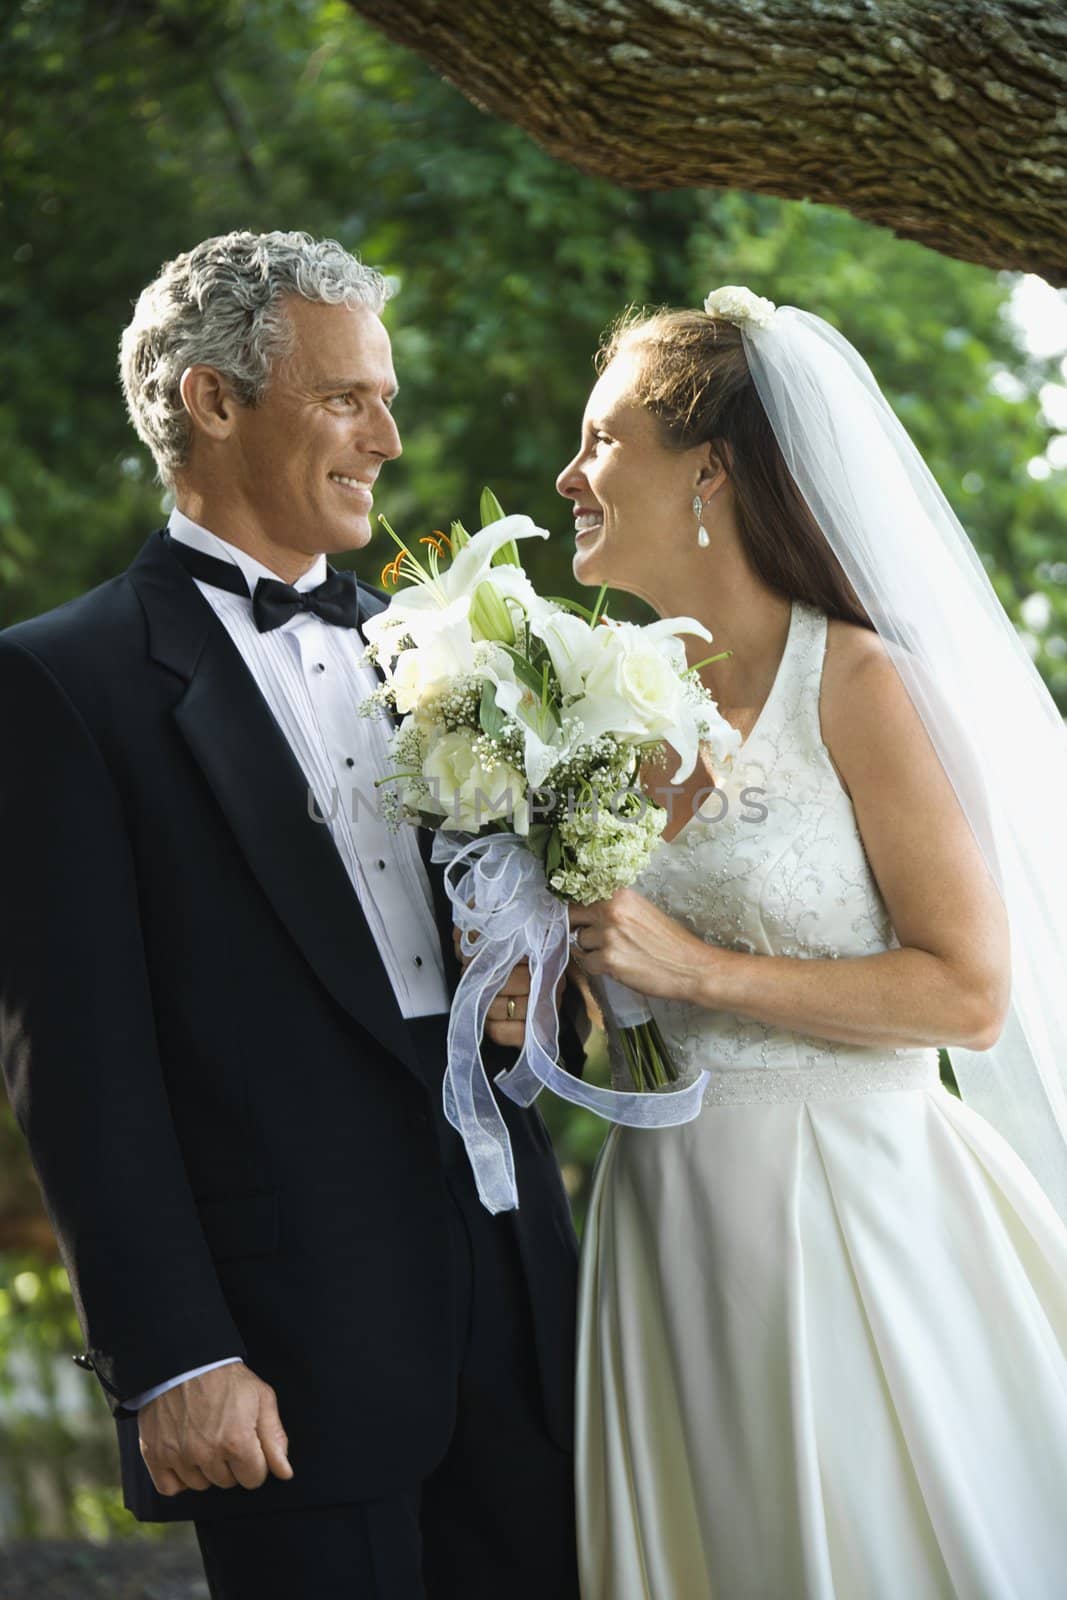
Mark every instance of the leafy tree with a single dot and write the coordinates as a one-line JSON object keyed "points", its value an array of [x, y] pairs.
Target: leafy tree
{"points": [[189, 118]]}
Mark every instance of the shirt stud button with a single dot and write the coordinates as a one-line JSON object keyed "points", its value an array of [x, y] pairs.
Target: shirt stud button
{"points": [[381, 867], [418, 961], [320, 666], [349, 761]]}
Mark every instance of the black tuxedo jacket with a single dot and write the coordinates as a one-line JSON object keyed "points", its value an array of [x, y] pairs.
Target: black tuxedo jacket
{"points": [[234, 1128]]}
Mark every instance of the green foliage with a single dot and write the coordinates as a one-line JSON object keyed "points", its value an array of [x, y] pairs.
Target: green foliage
{"points": [[44, 1434], [36, 1320], [131, 132]]}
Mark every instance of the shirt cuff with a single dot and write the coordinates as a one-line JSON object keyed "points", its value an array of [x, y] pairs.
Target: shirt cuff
{"points": [[140, 1400]]}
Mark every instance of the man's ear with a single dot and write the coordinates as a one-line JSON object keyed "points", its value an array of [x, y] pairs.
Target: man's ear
{"points": [[208, 400]]}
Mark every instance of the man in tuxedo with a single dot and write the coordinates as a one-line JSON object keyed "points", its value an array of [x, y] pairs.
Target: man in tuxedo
{"points": [[223, 993]]}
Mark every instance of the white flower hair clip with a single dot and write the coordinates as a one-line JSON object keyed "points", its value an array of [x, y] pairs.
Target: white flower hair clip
{"points": [[733, 303]]}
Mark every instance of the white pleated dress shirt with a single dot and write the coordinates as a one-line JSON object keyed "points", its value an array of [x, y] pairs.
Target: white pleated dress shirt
{"points": [[313, 679]]}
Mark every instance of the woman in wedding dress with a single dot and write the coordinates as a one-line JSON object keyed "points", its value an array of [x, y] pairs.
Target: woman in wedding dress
{"points": [[823, 1327]]}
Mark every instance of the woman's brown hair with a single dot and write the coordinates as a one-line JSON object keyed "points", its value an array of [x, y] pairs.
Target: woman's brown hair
{"points": [[692, 375]]}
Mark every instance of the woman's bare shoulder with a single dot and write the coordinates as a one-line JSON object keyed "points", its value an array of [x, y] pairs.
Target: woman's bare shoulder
{"points": [[849, 643], [852, 650], [863, 703]]}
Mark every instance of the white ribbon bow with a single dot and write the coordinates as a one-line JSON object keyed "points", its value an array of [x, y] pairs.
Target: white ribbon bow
{"points": [[506, 912]]}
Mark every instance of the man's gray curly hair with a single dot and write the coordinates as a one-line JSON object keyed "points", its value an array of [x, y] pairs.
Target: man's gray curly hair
{"points": [[220, 305]]}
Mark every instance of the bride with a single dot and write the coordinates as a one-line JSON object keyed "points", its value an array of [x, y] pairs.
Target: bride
{"points": [[823, 1328]]}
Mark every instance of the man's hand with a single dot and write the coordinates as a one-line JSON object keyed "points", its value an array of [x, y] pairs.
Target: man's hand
{"points": [[222, 1428], [505, 1021]]}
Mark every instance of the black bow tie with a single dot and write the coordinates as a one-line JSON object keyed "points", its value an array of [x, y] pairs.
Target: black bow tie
{"points": [[335, 601], [273, 602]]}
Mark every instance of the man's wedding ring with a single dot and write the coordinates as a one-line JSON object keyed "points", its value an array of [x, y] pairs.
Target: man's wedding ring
{"points": [[511, 1009]]}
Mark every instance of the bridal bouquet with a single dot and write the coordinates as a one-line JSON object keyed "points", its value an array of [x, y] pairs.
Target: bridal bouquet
{"points": [[524, 722]]}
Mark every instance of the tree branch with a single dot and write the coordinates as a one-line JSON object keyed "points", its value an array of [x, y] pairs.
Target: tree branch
{"points": [[943, 123]]}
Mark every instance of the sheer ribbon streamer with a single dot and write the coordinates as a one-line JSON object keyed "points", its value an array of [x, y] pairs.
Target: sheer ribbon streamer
{"points": [[506, 913]]}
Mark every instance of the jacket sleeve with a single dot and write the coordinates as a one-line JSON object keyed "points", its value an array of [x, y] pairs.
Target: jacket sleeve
{"points": [[137, 1401], [575, 1027], [79, 1050]]}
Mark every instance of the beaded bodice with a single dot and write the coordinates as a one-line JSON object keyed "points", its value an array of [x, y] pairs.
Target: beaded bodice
{"points": [[774, 865]]}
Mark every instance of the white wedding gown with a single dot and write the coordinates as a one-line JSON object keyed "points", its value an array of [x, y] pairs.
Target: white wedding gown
{"points": [[823, 1328]]}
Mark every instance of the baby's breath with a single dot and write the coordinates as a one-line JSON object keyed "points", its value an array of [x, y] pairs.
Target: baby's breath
{"points": [[488, 751], [458, 706], [378, 704], [510, 744]]}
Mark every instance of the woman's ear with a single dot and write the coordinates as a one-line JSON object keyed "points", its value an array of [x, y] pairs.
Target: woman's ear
{"points": [[715, 469]]}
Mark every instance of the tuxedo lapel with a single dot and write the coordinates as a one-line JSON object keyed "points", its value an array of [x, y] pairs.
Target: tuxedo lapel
{"points": [[442, 909], [263, 793]]}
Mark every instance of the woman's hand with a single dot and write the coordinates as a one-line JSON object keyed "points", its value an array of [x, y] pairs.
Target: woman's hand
{"points": [[629, 939]]}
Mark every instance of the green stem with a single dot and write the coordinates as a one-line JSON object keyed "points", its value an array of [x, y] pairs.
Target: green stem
{"points": [[595, 618], [570, 605], [722, 655], [648, 1060]]}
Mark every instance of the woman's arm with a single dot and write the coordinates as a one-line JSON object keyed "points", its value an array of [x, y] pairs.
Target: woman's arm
{"points": [[949, 982]]}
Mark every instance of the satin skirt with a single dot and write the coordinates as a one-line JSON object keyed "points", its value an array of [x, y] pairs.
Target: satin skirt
{"points": [[822, 1356]]}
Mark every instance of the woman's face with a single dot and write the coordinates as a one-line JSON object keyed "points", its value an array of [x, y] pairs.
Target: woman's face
{"points": [[632, 495]]}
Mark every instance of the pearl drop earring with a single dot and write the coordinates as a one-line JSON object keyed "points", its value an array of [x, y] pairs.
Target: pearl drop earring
{"points": [[703, 536]]}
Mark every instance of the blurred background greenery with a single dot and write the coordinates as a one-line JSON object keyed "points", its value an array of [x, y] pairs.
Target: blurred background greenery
{"points": [[132, 131]]}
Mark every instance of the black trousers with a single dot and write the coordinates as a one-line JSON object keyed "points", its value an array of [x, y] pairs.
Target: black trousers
{"points": [[495, 1518]]}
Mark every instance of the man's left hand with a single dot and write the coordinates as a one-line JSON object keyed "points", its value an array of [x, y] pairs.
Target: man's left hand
{"points": [[505, 1021]]}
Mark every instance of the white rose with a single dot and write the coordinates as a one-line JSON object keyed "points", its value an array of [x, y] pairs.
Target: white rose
{"points": [[636, 687], [733, 303], [470, 795], [633, 674]]}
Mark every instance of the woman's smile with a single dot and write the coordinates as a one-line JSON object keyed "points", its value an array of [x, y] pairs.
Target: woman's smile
{"points": [[586, 523]]}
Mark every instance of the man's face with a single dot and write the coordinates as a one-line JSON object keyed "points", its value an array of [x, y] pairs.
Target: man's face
{"points": [[306, 457]]}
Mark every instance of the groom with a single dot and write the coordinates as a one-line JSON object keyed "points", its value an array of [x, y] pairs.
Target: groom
{"points": [[222, 1018]]}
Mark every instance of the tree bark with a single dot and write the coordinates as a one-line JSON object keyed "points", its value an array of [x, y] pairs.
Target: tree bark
{"points": [[946, 123]]}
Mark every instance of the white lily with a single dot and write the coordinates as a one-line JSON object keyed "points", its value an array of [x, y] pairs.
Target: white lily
{"points": [[668, 626], [571, 644], [520, 596], [435, 592], [544, 743], [427, 668], [399, 620]]}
